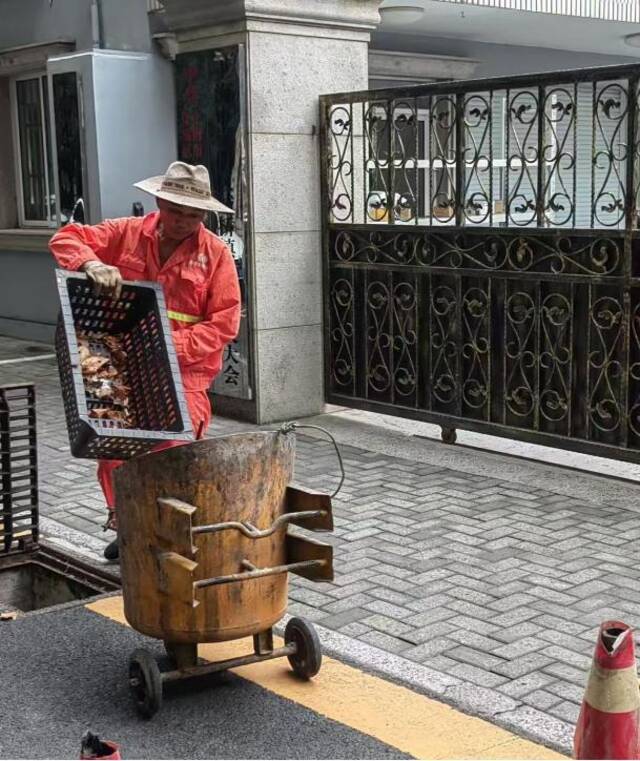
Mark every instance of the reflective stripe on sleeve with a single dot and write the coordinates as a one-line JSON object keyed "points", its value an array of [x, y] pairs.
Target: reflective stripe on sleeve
{"points": [[181, 317]]}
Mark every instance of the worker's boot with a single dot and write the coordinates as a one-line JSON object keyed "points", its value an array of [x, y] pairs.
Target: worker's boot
{"points": [[112, 550]]}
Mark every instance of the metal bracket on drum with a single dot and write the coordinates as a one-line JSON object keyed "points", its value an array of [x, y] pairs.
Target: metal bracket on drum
{"points": [[305, 557], [303, 500], [177, 577], [175, 526]]}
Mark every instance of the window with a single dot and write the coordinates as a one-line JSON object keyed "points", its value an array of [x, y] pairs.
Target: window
{"points": [[35, 197], [68, 146], [47, 198], [423, 168], [499, 174]]}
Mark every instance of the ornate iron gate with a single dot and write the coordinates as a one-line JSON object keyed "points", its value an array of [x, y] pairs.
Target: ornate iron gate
{"points": [[482, 265]]}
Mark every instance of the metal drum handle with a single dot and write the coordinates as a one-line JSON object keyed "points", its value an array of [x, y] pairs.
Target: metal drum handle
{"points": [[258, 573], [249, 530], [289, 427]]}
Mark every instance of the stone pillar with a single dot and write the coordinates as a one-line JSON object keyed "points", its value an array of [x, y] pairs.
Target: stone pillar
{"points": [[296, 50]]}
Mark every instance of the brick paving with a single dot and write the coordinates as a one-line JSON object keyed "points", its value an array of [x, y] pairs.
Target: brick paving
{"points": [[500, 588]]}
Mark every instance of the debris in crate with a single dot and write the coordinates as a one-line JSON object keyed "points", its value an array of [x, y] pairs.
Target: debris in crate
{"points": [[103, 363]]}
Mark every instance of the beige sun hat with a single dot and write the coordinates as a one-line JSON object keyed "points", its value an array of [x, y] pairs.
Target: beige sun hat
{"points": [[186, 185]]}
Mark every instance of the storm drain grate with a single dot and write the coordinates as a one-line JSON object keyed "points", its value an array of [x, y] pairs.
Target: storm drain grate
{"points": [[18, 468], [33, 576]]}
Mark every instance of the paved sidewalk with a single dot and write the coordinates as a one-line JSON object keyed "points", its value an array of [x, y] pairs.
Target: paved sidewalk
{"points": [[475, 578]]}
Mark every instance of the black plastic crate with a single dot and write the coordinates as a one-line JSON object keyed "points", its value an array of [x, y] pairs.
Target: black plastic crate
{"points": [[18, 468], [157, 400]]}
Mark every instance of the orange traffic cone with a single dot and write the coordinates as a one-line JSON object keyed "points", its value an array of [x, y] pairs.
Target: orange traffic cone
{"points": [[93, 747], [609, 721]]}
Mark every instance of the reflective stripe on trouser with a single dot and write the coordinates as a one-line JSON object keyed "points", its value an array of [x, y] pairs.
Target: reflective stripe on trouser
{"points": [[200, 411]]}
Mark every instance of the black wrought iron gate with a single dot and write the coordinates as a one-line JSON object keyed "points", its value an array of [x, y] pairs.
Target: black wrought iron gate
{"points": [[482, 265]]}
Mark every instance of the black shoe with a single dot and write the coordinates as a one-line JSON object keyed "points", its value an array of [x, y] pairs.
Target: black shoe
{"points": [[112, 551]]}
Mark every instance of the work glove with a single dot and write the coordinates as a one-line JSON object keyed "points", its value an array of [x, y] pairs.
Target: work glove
{"points": [[105, 278]]}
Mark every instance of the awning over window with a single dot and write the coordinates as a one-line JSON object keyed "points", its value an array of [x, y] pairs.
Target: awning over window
{"points": [[26, 57], [606, 10], [395, 67]]}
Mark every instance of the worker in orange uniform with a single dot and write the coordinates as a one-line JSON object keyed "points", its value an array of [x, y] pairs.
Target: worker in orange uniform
{"points": [[194, 267]]}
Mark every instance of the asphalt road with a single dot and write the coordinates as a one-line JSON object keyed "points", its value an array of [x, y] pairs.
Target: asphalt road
{"points": [[64, 672]]}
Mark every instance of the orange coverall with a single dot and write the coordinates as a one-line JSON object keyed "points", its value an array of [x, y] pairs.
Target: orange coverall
{"points": [[201, 289]]}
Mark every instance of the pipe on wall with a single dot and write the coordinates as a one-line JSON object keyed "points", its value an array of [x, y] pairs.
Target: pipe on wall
{"points": [[96, 24]]}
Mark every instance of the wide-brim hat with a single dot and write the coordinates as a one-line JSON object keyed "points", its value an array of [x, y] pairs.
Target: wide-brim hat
{"points": [[186, 185]]}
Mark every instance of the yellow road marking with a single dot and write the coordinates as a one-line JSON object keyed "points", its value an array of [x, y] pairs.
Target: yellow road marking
{"points": [[395, 715]]}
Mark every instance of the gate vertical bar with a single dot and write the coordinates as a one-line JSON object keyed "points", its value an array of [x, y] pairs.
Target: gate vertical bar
{"points": [[507, 154], [575, 153], [630, 226], [491, 138], [538, 338], [391, 164], [460, 170], [540, 174], [459, 339], [588, 410], [429, 165], [594, 121], [365, 171], [325, 184]]}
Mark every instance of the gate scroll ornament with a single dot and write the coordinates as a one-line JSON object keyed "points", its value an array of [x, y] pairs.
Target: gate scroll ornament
{"points": [[481, 256]]}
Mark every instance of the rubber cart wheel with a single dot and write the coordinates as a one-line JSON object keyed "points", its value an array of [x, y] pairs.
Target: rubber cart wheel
{"points": [[449, 435], [307, 659], [145, 682]]}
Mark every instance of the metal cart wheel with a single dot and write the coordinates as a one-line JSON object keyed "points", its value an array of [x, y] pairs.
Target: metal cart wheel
{"points": [[307, 659], [145, 681]]}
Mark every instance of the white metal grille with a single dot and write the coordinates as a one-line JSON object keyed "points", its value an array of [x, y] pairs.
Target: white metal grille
{"points": [[607, 10]]}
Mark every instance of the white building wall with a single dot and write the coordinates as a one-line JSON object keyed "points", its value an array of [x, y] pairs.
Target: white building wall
{"points": [[134, 101]]}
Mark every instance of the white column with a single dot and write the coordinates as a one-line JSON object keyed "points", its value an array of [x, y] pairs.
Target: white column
{"points": [[296, 51]]}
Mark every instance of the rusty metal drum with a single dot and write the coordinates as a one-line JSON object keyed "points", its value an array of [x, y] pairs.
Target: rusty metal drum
{"points": [[171, 505]]}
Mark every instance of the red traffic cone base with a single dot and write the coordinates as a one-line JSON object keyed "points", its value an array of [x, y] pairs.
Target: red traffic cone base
{"points": [[95, 748], [609, 721]]}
